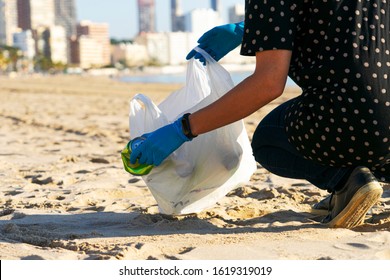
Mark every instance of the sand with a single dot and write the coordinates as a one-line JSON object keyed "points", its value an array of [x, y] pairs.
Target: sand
{"points": [[65, 196]]}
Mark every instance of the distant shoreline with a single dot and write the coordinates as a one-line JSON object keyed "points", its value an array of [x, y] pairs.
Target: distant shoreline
{"points": [[177, 73], [172, 69]]}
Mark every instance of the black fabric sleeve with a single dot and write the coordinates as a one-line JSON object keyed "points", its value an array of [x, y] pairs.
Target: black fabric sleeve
{"points": [[269, 25]]}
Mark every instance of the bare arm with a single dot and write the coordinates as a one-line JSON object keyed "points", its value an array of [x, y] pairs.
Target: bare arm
{"points": [[264, 85]]}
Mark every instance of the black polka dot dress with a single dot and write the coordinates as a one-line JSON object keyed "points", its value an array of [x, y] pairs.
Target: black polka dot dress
{"points": [[341, 60]]}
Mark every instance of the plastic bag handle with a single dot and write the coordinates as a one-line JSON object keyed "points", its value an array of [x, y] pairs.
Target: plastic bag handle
{"points": [[205, 54], [149, 105], [220, 79], [144, 116]]}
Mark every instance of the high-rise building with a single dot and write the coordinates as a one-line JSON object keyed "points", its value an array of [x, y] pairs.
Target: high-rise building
{"points": [[58, 44], [216, 5], [147, 16], [65, 15], [93, 44], [35, 13], [8, 21], [51, 43], [24, 14], [88, 53], [237, 13], [25, 42], [38, 14], [167, 48], [177, 17], [124, 53], [199, 21]]}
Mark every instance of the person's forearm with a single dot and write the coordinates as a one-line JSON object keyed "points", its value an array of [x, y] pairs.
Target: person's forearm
{"points": [[240, 102], [263, 86]]}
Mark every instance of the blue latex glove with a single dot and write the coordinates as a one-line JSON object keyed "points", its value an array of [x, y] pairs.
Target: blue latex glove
{"points": [[219, 41], [159, 144]]}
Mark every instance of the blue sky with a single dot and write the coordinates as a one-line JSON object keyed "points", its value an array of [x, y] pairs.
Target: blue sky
{"points": [[122, 15]]}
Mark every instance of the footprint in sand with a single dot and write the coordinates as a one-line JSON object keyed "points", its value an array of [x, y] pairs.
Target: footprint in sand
{"points": [[99, 160], [352, 246], [35, 179]]}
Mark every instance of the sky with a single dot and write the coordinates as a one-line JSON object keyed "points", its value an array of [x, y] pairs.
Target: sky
{"points": [[122, 15]]}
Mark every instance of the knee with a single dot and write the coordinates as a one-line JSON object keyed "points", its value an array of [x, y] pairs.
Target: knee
{"points": [[259, 151]]}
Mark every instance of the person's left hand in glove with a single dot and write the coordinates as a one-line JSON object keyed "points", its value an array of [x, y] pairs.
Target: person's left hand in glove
{"points": [[159, 144], [219, 41]]}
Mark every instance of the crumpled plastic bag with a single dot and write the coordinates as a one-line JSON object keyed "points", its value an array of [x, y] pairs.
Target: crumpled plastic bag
{"points": [[205, 169]]}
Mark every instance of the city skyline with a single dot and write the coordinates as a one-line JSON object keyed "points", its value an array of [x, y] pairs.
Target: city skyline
{"points": [[123, 18], [56, 33]]}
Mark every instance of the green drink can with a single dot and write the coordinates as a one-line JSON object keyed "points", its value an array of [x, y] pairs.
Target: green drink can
{"points": [[136, 168]]}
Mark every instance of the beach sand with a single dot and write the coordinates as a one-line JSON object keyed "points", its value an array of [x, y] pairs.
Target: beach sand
{"points": [[65, 195]]}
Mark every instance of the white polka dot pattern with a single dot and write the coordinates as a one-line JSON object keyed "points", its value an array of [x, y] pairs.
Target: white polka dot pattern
{"points": [[341, 60]]}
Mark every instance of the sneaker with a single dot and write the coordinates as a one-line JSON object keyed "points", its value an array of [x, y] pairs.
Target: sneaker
{"points": [[325, 205], [355, 199]]}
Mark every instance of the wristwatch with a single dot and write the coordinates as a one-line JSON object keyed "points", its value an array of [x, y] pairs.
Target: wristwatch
{"points": [[186, 128]]}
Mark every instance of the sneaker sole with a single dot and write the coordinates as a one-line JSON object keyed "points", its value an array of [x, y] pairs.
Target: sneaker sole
{"points": [[354, 213]]}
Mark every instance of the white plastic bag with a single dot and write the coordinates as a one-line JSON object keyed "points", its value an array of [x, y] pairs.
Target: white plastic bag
{"points": [[205, 169]]}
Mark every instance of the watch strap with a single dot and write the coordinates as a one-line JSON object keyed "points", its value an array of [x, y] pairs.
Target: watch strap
{"points": [[186, 128]]}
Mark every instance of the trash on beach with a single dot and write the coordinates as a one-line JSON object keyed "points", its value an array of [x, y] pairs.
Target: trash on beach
{"points": [[205, 169]]}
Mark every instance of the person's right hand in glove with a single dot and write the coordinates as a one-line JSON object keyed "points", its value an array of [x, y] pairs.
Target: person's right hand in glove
{"points": [[219, 41], [161, 143]]}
